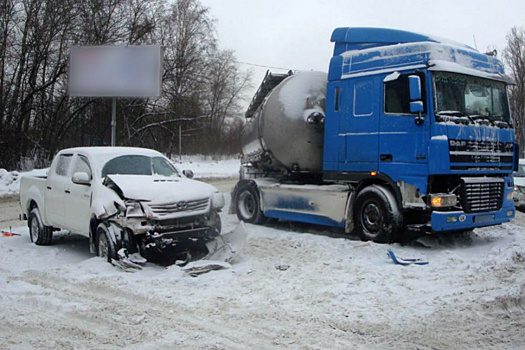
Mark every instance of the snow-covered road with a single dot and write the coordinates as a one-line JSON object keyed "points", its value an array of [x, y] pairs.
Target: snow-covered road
{"points": [[294, 287]]}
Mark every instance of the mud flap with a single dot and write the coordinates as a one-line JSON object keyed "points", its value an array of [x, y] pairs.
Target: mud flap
{"points": [[227, 246]]}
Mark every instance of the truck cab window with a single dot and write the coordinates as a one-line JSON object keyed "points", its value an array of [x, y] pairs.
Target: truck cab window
{"points": [[63, 164], [397, 96]]}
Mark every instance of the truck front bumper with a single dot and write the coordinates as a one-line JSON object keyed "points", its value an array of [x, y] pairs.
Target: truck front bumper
{"points": [[458, 220]]}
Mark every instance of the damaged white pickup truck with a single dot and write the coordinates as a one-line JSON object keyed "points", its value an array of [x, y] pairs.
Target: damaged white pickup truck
{"points": [[122, 198]]}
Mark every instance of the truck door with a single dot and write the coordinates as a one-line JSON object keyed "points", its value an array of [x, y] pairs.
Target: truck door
{"points": [[360, 124], [78, 198], [55, 189], [403, 137]]}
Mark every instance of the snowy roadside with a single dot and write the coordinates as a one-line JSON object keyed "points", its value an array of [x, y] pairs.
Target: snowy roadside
{"points": [[292, 287]]}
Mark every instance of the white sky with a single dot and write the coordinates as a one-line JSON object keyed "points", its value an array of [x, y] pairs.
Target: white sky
{"points": [[296, 33]]}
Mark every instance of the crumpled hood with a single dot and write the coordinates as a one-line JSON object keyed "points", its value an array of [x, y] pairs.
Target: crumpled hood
{"points": [[161, 189]]}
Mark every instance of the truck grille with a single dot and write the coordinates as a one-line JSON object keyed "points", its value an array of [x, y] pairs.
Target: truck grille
{"points": [[175, 207], [481, 194], [478, 155]]}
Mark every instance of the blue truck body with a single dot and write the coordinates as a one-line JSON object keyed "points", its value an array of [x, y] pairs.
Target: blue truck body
{"points": [[459, 148]]}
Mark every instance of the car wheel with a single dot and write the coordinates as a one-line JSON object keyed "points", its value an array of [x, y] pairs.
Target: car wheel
{"points": [[248, 204], [377, 216], [39, 233], [105, 245]]}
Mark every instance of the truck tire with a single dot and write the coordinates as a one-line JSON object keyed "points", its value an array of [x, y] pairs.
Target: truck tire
{"points": [[39, 233], [248, 204], [104, 243], [376, 215]]}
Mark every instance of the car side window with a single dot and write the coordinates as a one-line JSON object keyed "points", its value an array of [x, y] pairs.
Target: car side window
{"points": [[64, 160], [82, 166]]}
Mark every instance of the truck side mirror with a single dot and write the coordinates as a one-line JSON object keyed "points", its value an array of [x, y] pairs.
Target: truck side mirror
{"points": [[414, 84], [416, 103], [81, 178]]}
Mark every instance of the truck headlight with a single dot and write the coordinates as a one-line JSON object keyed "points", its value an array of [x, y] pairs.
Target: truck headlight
{"points": [[442, 200], [217, 200]]}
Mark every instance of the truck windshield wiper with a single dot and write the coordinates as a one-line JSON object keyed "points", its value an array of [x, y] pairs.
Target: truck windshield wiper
{"points": [[457, 114], [481, 117]]}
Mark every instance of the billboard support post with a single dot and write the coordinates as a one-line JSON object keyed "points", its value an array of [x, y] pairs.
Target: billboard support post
{"points": [[114, 122]]}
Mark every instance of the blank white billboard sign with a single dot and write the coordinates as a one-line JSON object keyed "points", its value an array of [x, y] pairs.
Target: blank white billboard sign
{"points": [[115, 71]]}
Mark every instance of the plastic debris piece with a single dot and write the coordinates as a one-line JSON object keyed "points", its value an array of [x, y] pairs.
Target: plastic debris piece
{"points": [[406, 261]]}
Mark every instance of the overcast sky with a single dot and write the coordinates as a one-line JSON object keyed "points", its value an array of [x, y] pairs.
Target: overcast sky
{"points": [[296, 34]]}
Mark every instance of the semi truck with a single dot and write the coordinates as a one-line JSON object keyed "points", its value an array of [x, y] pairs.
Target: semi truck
{"points": [[406, 132]]}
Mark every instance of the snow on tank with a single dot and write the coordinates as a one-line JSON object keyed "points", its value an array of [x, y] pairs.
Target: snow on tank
{"points": [[286, 132]]}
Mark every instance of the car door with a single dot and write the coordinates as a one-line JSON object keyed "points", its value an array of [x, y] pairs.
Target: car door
{"points": [[78, 198], [55, 189]]}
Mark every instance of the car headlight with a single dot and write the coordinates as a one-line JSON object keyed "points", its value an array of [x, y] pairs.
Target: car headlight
{"points": [[134, 209], [217, 200]]}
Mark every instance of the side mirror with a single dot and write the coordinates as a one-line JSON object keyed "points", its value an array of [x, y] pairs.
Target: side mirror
{"points": [[414, 84], [81, 178], [188, 173], [416, 95], [416, 107]]}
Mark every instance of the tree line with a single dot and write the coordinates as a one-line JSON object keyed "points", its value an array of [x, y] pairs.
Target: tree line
{"points": [[202, 88]]}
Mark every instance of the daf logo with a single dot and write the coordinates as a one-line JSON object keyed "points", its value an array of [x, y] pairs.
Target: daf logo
{"points": [[182, 205], [458, 143]]}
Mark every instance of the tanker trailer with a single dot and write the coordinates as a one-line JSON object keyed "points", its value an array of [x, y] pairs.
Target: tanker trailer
{"points": [[285, 133]]}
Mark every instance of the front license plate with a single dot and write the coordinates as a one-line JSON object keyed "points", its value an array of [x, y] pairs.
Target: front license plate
{"points": [[483, 218]]}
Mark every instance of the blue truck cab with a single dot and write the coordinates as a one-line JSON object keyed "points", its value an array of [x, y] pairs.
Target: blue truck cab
{"points": [[449, 163], [419, 131]]}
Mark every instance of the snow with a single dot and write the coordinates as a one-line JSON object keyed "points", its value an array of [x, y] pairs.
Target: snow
{"points": [[300, 88], [293, 286]]}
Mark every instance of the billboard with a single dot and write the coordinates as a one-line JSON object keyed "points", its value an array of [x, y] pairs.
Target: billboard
{"points": [[115, 71]]}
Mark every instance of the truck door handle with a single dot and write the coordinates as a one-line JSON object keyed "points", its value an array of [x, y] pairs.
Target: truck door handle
{"points": [[385, 157], [67, 191], [48, 187]]}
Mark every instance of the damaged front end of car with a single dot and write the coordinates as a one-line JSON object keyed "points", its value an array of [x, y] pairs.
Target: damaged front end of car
{"points": [[163, 230]]}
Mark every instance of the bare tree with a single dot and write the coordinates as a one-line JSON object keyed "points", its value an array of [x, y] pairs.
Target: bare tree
{"points": [[202, 85], [514, 55]]}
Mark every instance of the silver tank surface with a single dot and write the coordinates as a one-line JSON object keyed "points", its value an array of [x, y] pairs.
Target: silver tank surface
{"points": [[286, 131]]}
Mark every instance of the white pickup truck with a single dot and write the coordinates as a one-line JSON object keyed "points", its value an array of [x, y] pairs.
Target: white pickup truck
{"points": [[121, 198]]}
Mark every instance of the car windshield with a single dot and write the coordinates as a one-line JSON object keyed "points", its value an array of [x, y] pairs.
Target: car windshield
{"points": [[471, 99], [139, 165]]}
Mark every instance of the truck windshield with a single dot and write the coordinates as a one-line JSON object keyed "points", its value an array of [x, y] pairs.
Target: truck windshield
{"points": [[521, 171], [139, 165], [467, 99]]}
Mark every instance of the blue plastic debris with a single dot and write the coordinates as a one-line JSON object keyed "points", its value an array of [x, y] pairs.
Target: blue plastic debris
{"points": [[406, 261]]}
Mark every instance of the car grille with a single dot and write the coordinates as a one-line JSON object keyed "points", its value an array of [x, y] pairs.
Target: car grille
{"points": [[481, 194], [160, 210], [480, 155]]}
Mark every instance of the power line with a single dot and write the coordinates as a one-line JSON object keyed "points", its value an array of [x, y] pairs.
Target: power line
{"points": [[262, 66]]}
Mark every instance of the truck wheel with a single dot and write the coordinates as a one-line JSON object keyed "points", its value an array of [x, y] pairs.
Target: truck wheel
{"points": [[39, 233], [377, 216], [248, 204], [105, 246]]}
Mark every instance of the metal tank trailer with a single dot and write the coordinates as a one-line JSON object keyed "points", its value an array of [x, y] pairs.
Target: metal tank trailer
{"points": [[284, 132]]}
